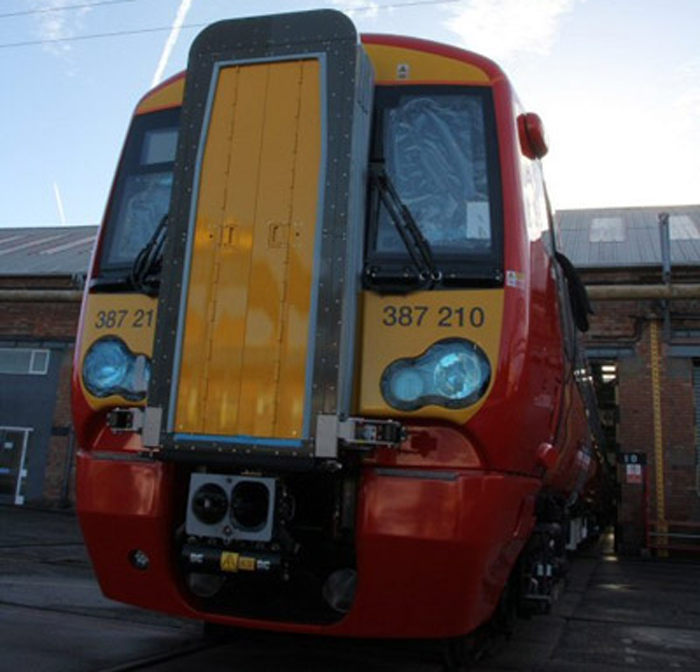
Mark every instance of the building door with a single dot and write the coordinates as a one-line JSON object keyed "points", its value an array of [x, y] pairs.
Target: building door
{"points": [[13, 454]]}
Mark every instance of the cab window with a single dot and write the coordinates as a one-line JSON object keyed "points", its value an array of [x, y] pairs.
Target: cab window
{"points": [[437, 144], [142, 190]]}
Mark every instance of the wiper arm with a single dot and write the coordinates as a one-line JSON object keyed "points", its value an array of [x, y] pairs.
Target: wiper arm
{"points": [[145, 270], [415, 242]]}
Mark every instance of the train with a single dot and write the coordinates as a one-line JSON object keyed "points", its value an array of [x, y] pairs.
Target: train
{"points": [[328, 377]]}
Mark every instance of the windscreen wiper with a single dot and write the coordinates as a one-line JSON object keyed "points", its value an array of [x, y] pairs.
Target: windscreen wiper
{"points": [[145, 271], [415, 242]]}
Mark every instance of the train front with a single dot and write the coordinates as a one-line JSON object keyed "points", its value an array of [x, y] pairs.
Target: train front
{"points": [[285, 405]]}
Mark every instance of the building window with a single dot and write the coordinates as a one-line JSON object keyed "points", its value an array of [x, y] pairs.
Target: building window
{"points": [[605, 381], [683, 228], [607, 230], [24, 361]]}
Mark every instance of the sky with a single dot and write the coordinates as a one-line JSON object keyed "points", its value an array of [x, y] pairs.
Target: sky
{"points": [[617, 83]]}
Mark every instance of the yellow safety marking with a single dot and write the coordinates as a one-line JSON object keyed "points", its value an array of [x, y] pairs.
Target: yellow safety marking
{"points": [[166, 96], [229, 562], [390, 63], [246, 564], [395, 327], [401, 64], [130, 317], [655, 357]]}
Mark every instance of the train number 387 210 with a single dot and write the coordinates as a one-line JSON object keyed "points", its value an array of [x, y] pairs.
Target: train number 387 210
{"points": [[441, 316], [115, 319]]}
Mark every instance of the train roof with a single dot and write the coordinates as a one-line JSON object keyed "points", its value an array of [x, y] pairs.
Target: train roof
{"points": [[474, 67]]}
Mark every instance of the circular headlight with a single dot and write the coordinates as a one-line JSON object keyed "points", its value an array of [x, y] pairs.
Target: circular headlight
{"points": [[454, 373], [106, 367], [406, 385], [457, 375]]}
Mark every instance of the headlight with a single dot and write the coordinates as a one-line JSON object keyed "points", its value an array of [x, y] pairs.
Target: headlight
{"points": [[453, 373], [111, 368]]}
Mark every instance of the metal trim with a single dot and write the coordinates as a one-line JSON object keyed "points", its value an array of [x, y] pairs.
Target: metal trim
{"points": [[354, 258], [418, 474], [611, 352], [684, 351], [241, 439], [110, 456], [318, 242]]}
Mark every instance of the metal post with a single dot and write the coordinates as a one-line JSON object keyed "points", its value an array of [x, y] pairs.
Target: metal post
{"points": [[655, 360], [665, 234], [645, 509]]}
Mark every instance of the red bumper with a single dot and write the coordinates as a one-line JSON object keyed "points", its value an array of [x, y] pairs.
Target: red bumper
{"points": [[434, 549]]}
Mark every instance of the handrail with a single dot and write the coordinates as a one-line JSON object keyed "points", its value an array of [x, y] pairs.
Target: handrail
{"points": [[659, 540]]}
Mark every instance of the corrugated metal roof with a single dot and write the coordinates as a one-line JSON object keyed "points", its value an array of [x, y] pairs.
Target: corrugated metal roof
{"points": [[46, 251], [632, 240], [628, 237]]}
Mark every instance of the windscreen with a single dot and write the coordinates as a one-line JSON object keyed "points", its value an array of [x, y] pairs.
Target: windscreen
{"points": [[437, 144], [142, 190]]}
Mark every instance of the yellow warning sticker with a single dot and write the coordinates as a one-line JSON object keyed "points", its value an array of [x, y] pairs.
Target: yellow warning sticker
{"points": [[246, 564], [229, 562]]}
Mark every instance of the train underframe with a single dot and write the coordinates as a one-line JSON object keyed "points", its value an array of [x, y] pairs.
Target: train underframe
{"points": [[367, 551]]}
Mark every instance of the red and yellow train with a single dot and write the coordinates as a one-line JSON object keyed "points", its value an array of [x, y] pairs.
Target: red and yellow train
{"points": [[327, 377]]}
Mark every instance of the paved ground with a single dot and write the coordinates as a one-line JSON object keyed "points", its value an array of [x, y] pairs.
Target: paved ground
{"points": [[641, 615]]}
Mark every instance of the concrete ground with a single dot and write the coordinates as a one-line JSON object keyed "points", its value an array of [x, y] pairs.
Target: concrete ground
{"points": [[616, 614]]}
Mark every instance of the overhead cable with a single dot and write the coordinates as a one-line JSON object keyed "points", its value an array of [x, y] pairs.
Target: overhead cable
{"points": [[62, 8], [163, 29]]}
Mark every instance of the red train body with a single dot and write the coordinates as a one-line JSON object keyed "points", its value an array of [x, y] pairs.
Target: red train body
{"points": [[422, 513]]}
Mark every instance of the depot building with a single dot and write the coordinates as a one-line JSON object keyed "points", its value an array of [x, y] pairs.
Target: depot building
{"points": [[643, 346]]}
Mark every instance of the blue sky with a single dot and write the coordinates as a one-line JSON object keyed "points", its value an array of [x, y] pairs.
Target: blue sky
{"points": [[617, 83]]}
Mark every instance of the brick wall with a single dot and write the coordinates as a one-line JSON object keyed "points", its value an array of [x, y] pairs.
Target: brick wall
{"points": [[60, 468], [51, 324], [39, 321], [626, 324]]}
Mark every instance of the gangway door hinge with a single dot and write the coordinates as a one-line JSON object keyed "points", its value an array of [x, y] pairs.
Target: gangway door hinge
{"points": [[362, 434], [152, 426]]}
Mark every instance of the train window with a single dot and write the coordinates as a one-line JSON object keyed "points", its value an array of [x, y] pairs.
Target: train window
{"points": [[159, 146], [437, 145], [142, 190]]}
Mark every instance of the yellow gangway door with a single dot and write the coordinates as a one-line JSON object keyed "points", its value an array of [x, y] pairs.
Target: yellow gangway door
{"points": [[248, 297]]}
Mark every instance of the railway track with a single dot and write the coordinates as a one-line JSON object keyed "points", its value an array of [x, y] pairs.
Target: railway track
{"points": [[149, 662]]}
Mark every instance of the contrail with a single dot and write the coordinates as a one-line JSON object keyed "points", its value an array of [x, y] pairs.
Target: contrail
{"points": [[59, 203], [171, 41]]}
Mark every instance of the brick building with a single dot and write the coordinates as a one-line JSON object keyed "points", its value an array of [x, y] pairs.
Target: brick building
{"points": [[644, 347], [41, 272]]}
